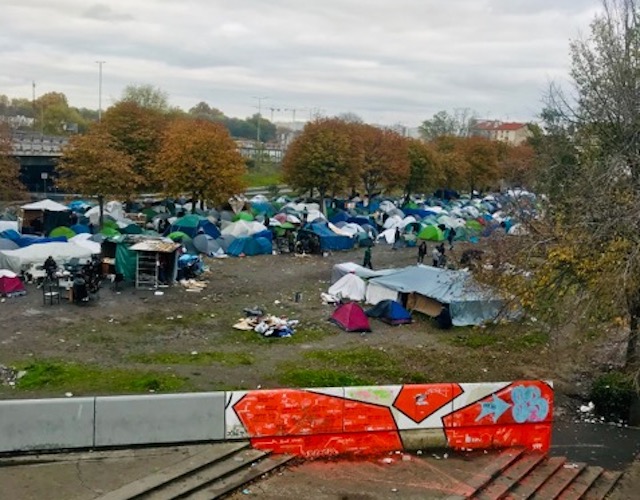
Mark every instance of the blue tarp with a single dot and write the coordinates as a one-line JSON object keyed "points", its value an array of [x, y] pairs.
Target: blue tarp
{"points": [[390, 312], [328, 239], [25, 241], [249, 246], [469, 302]]}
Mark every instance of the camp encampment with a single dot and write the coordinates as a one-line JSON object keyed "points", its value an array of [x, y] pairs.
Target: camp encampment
{"points": [[10, 284], [351, 318]]}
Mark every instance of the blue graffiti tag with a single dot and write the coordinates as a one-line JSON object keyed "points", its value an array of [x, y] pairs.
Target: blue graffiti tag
{"points": [[496, 407], [528, 404]]}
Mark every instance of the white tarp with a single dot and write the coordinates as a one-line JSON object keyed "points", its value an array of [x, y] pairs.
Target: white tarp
{"points": [[47, 204], [8, 224], [243, 229], [23, 258], [111, 208], [349, 287], [377, 293], [339, 270]]}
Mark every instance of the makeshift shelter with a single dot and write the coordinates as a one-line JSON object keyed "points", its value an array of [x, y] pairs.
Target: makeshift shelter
{"points": [[34, 255], [42, 216], [351, 318], [156, 262], [340, 270], [194, 224], [350, 287], [429, 289], [328, 239], [10, 284], [390, 312]]}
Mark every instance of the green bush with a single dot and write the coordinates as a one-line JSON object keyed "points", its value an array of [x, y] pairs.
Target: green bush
{"points": [[612, 395]]}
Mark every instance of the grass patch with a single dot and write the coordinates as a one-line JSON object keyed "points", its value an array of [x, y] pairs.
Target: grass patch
{"points": [[357, 366], [511, 341], [202, 358], [260, 179], [81, 378]]}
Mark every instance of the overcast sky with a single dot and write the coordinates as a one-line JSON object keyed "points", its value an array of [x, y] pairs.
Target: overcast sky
{"points": [[389, 61]]}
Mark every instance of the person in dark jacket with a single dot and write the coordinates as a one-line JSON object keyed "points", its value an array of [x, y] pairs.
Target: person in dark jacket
{"points": [[422, 251], [367, 258]]}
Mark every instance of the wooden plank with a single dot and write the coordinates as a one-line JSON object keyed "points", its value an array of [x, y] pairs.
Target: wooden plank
{"points": [[538, 476], [583, 482], [478, 481], [603, 485], [206, 475], [175, 471], [240, 478], [557, 483], [501, 485]]}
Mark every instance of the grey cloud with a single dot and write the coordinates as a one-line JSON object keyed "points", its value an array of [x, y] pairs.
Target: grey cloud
{"points": [[103, 12]]}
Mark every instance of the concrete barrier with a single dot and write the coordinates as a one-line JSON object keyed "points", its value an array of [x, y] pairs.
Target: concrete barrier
{"points": [[46, 424], [303, 422], [171, 418]]}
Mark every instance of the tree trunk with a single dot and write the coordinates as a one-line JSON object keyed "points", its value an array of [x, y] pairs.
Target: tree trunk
{"points": [[101, 205], [633, 306], [194, 202], [322, 195]]}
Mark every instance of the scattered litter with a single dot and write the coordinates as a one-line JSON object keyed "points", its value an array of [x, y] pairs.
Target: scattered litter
{"points": [[588, 408], [387, 460], [437, 457], [406, 458], [570, 466], [266, 325], [193, 285], [419, 452], [277, 302], [445, 456], [246, 491], [68, 394], [194, 353], [158, 293], [394, 490]]}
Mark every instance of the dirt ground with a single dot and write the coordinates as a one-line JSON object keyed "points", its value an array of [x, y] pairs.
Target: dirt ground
{"points": [[140, 332]]}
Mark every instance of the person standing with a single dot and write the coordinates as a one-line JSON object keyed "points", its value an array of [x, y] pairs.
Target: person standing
{"points": [[450, 236], [397, 240], [422, 251], [435, 256], [367, 258]]}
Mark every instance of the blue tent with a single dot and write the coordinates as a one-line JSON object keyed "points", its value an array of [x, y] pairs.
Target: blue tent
{"points": [[339, 216], [390, 312], [193, 225], [249, 246], [80, 228], [328, 239]]}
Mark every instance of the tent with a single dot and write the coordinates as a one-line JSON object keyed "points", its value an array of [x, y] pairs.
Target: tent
{"points": [[23, 258], [193, 224], [431, 233], [243, 228], [10, 284], [249, 246], [390, 312], [430, 289], [328, 239], [351, 318], [44, 215], [65, 231], [349, 287], [340, 270]]}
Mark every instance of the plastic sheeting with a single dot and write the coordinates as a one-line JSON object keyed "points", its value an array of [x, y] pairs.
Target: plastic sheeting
{"points": [[349, 287], [23, 258]]}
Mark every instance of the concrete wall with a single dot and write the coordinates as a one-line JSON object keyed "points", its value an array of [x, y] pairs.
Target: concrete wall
{"points": [[305, 422]]}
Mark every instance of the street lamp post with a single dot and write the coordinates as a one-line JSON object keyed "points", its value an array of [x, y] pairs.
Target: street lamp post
{"points": [[100, 63], [258, 147]]}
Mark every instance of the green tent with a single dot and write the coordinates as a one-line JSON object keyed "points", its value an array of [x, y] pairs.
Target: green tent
{"points": [[110, 224], [126, 262], [243, 216], [431, 233], [191, 221], [149, 213], [179, 235], [474, 226], [65, 231], [109, 232], [282, 228], [131, 229]]}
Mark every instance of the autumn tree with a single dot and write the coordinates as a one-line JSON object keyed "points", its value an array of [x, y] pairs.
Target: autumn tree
{"points": [[425, 171], [517, 165], [454, 165], [443, 124], [481, 156], [383, 159], [93, 164], [146, 96], [11, 188], [202, 111], [199, 157], [137, 132], [320, 158]]}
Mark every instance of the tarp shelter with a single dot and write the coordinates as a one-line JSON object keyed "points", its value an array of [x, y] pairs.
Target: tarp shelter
{"points": [[328, 239], [24, 258], [193, 224], [10, 284], [469, 302], [349, 287], [339, 270], [156, 262], [391, 312], [47, 213], [351, 318]]}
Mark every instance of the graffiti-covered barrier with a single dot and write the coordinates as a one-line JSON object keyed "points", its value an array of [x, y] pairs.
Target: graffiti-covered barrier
{"points": [[322, 422], [304, 422]]}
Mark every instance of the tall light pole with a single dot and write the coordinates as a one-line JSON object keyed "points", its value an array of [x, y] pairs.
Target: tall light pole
{"points": [[258, 144], [100, 63]]}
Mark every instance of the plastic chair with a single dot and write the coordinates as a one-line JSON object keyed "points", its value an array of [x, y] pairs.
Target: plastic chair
{"points": [[50, 292]]}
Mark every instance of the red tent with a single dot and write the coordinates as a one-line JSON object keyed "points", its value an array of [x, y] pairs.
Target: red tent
{"points": [[10, 284], [351, 317]]}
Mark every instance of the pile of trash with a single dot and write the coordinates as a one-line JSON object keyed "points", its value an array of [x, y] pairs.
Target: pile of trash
{"points": [[9, 376], [266, 325]]}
